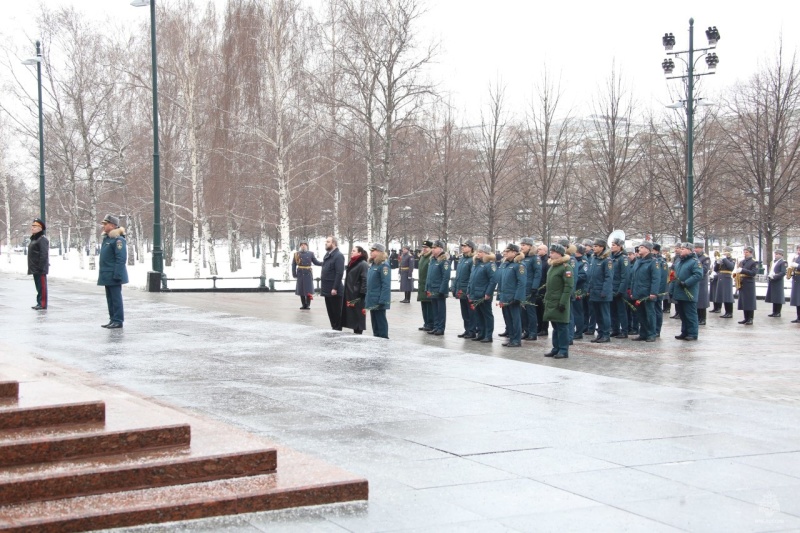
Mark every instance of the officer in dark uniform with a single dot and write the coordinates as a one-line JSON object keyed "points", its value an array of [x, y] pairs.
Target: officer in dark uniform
{"points": [[301, 269], [775, 291], [437, 286], [746, 279], [702, 293], [463, 273], [579, 295], [794, 299], [600, 280], [712, 291], [39, 262], [645, 282], [533, 268], [663, 298], [619, 313], [588, 313], [113, 272], [481, 291], [511, 282], [633, 319], [560, 283], [379, 296], [725, 281], [422, 294], [688, 275], [676, 261], [406, 266]]}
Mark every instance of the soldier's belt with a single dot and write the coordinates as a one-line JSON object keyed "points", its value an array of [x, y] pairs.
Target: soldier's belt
{"points": [[403, 268], [726, 271], [307, 268]]}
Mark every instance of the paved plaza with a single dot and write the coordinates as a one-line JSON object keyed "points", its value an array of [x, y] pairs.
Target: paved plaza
{"points": [[455, 435]]}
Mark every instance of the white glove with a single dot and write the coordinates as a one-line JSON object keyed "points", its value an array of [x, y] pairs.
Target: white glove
{"points": [[737, 270], [713, 275]]}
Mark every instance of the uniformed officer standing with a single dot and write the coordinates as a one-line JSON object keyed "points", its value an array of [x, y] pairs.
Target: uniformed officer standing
{"points": [[702, 293], [600, 280], [645, 284], [560, 283], [588, 313], [663, 298], [39, 262], [437, 286], [481, 291], [633, 319], [422, 293], [746, 275], [579, 295], [379, 295], [688, 275], [775, 290], [406, 269], [463, 273], [725, 281], [541, 290], [712, 291], [511, 280], [301, 269], [533, 267], [676, 261], [794, 299], [619, 313], [112, 269]]}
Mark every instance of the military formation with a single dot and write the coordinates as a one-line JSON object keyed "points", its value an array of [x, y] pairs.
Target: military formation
{"points": [[596, 290]]}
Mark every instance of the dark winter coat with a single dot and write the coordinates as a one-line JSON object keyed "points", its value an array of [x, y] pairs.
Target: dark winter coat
{"points": [[332, 271], [438, 282], [645, 278], [301, 269], [560, 282], [775, 286], [463, 273], [113, 257], [725, 281], [702, 293], [533, 264], [748, 268], [39, 255], [663, 268], [580, 272], [795, 297], [482, 280], [379, 285], [688, 276], [618, 286], [422, 280], [355, 288], [601, 277], [406, 268], [511, 280]]}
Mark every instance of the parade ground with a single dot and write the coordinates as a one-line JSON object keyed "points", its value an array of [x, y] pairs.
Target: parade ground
{"points": [[455, 435]]}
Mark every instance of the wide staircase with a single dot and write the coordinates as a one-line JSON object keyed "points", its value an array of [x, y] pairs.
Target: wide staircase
{"points": [[77, 457]]}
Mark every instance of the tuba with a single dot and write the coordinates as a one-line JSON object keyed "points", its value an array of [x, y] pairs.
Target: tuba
{"points": [[737, 276], [616, 234], [790, 272]]}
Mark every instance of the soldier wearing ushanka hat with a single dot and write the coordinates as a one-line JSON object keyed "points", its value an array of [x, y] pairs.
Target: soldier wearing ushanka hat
{"points": [[422, 294], [746, 281], [437, 285], [775, 292], [619, 309], [406, 268], [600, 283], [481, 290], [533, 267], [112, 269], [725, 281], [560, 282], [511, 281], [302, 260], [463, 273], [379, 296], [702, 293]]}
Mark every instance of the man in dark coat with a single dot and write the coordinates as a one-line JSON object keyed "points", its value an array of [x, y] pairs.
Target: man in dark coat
{"points": [[406, 268], [438, 285], [481, 291], [600, 280], [560, 282], [702, 293], [775, 294], [663, 298], [113, 273], [579, 294], [39, 262], [422, 294], [542, 325], [511, 282], [301, 269], [688, 275], [533, 267], [379, 295], [355, 291], [746, 279], [712, 290], [645, 282], [725, 281], [463, 273], [330, 281], [794, 299], [618, 307]]}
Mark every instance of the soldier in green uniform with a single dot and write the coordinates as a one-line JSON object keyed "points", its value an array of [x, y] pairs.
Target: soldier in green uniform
{"points": [[688, 275], [619, 313], [557, 300]]}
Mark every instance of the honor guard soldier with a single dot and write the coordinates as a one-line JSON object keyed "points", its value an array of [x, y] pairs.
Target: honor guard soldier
{"points": [[481, 290], [619, 313], [775, 290], [560, 283], [794, 270], [511, 280], [437, 285], [422, 293], [533, 267], [379, 292], [600, 280], [688, 276], [406, 268], [463, 273], [702, 293], [746, 282], [725, 281], [714, 277], [301, 269], [645, 281]]}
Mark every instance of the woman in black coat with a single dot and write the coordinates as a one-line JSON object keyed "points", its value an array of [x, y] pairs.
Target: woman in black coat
{"points": [[355, 289]]}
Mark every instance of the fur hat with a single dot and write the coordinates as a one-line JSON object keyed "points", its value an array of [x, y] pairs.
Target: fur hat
{"points": [[700, 245], [470, 243], [572, 248], [559, 249], [513, 247], [438, 243], [527, 240], [485, 248], [564, 243], [600, 242], [619, 242], [647, 244], [780, 251], [749, 249], [40, 222], [727, 249], [580, 249], [377, 246], [111, 219], [427, 244], [656, 247], [588, 242]]}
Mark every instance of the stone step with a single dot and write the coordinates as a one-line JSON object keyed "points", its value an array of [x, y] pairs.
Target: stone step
{"points": [[300, 481], [14, 417], [125, 472], [9, 389], [48, 448]]}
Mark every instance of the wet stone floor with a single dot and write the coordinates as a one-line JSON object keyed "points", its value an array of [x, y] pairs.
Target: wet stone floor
{"points": [[455, 435]]}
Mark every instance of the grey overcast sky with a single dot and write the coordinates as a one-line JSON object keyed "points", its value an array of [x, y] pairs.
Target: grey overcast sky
{"points": [[577, 40]]}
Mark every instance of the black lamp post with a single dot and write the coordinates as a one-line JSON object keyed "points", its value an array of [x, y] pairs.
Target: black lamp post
{"points": [[669, 65], [38, 62], [158, 253]]}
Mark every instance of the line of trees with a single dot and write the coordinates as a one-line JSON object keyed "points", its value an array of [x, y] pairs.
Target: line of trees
{"points": [[280, 122]]}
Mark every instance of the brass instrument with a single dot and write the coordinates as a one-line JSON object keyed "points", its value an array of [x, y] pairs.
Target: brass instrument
{"points": [[790, 272], [716, 254], [737, 277]]}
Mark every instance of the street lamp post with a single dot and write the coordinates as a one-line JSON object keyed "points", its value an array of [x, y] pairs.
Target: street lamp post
{"points": [[38, 62], [669, 65], [158, 253]]}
